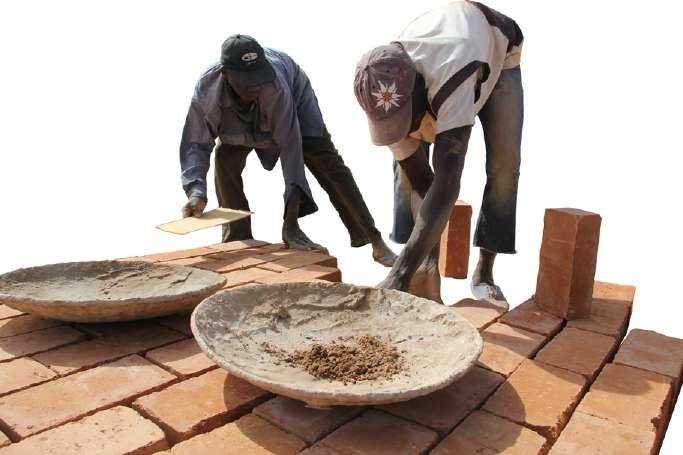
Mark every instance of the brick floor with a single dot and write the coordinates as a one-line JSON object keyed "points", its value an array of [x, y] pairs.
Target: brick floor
{"points": [[39, 341], [608, 317], [25, 324], [530, 317], [21, 373], [183, 358], [119, 430], [305, 273], [505, 347], [479, 313]]}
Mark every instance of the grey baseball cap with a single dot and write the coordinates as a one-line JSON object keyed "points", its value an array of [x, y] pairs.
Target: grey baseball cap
{"points": [[384, 83]]}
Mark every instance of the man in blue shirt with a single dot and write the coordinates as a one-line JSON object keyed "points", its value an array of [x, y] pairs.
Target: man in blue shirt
{"points": [[260, 99]]}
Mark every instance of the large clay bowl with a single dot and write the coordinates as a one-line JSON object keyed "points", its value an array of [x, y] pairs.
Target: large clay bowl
{"points": [[107, 291], [440, 345]]}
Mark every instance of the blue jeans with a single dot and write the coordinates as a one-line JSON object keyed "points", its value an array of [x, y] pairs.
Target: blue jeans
{"points": [[501, 119]]}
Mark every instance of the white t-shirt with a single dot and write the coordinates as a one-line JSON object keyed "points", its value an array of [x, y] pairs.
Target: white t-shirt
{"points": [[460, 50]]}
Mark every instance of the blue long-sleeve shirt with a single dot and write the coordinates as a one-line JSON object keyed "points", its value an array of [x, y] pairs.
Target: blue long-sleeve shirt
{"points": [[286, 110]]}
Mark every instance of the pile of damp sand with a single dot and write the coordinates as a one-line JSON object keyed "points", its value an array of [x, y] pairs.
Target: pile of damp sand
{"points": [[362, 358]]}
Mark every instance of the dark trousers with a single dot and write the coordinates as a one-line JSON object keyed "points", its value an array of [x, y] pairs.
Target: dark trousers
{"points": [[327, 166]]}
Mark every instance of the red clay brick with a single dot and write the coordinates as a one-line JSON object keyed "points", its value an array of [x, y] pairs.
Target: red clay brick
{"points": [[306, 273], [505, 347], [200, 404], [237, 245], [181, 254], [62, 400], [34, 342], [179, 322], [307, 423], [249, 435], [229, 265], [376, 433], [633, 397], [608, 317], [652, 351], [7, 312], [484, 433], [445, 408], [529, 316], [25, 324], [567, 262], [578, 351], [614, 292], [591, 435], [119, 430], [479, 313], [538, 396], [104, 349], [240, 277], [298, 260], [21, 373], [454, 247], [183, 358]]}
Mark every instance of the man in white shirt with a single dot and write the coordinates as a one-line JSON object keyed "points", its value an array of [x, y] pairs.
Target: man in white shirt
{"points": [[447, 67]]}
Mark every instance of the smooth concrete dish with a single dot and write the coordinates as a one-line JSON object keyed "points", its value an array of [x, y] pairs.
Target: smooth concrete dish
{"points": [[107, 291], [440, 345]]}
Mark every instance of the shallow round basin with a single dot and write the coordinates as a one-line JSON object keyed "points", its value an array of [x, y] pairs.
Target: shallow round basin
{"points": [[107, 291], [235, 328]]}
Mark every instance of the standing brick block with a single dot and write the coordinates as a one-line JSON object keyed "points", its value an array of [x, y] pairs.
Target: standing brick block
{"points": [[578, 351], [115, 431], [652, 351], [586, 434], [538, 396], [377, 433], [42, 340], [567, 262], [529, 316], [479, 313], [454, 249], [249, 435], [445, 408], [21, 373], [485, 434], [183, 358], [608, 317], [505, 347], [307, 423], [7, 312], [25, 324], [62, 400], [200, 404]]}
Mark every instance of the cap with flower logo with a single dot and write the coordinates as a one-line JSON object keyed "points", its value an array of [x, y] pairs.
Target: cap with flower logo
{"points": [[384, 83], [244, 60]]}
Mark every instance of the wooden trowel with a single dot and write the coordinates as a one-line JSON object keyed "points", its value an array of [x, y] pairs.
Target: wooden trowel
{"points": [[214, 217]]}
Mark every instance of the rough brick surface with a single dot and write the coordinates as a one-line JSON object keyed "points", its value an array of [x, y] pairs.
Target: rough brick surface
{"points": [[529, 316], [25, 324], [240, 277], [538, 396], [178, 322], [114, 431], [377, 433], [486, 434], [249, 435], [7, 312], [307, 423], [608, 317], [505, 347], [200, 404], [182, 254], [578, 351], [295, 261], [21, 373], [454, 247], [444, 409], [100, 350], [479, 313], [614, 292], [61, 400], [591, 435], [197, 261], [306, 273], [638, 398], [567, 262], [41, 340], [182, 358], [652, 351]]}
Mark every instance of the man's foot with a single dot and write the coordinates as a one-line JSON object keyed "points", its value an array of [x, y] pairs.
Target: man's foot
{"points": [[490, 293], [294, 238], [427, 284], [382, 254]]}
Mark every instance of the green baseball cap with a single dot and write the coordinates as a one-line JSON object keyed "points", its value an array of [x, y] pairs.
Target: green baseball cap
{"points": [[244, 60]]}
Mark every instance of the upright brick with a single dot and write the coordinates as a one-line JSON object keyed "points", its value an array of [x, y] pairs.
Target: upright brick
{"points": [[25, 324], [578, 351], [652, 351], [529, 316], [538, 396], [377, 433], [567, 262], [21, 373], [39, 341], [454, 248], [200, 404], [249, 435], [505, 347], [69, 398], [444, 409], [479, 313], [309, 424], [115, 431], [486, 434], [586, 434], [183, 358]]}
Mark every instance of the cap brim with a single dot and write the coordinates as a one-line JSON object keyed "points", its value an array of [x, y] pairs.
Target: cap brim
{"points": [[259, 76], [393, 128]]}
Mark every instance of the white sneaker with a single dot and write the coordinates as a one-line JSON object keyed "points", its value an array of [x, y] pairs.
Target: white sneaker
{"points": [[490, 294]]}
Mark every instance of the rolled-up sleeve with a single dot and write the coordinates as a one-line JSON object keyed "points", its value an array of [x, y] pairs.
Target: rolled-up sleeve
{"points": [[195, 151]]}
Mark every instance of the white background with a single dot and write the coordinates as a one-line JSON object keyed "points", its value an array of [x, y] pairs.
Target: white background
{"points": [[93, 97]]}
